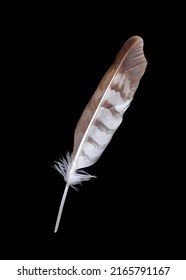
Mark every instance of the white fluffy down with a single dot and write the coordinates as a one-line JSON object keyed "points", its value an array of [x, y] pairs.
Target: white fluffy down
{"points": [[71, 177]]}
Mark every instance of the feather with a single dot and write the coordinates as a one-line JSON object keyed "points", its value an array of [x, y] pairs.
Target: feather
{"points": [[103, 115]]}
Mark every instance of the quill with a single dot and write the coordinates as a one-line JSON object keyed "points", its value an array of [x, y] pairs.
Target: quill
{"points": [[103, 115]]}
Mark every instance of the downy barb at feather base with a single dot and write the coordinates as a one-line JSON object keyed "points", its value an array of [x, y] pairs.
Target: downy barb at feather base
{"points": [[103, 115]]}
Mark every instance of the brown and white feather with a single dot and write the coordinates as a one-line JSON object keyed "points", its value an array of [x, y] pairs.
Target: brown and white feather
{"points": [[103, 114]]}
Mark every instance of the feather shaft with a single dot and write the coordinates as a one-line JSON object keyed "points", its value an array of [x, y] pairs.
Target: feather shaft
{"points": [[61, 207]]}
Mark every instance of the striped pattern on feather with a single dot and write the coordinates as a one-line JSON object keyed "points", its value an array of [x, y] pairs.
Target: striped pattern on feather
{"points": [[104, 113]]}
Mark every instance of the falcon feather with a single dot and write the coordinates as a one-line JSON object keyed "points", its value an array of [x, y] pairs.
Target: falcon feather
{"points": [[103, 115]]}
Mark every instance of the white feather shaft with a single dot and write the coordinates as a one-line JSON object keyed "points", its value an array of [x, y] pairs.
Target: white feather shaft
{"points": [[61, 207]]}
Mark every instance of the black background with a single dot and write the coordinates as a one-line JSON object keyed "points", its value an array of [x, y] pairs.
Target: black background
{"points": [[55, 58]]}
